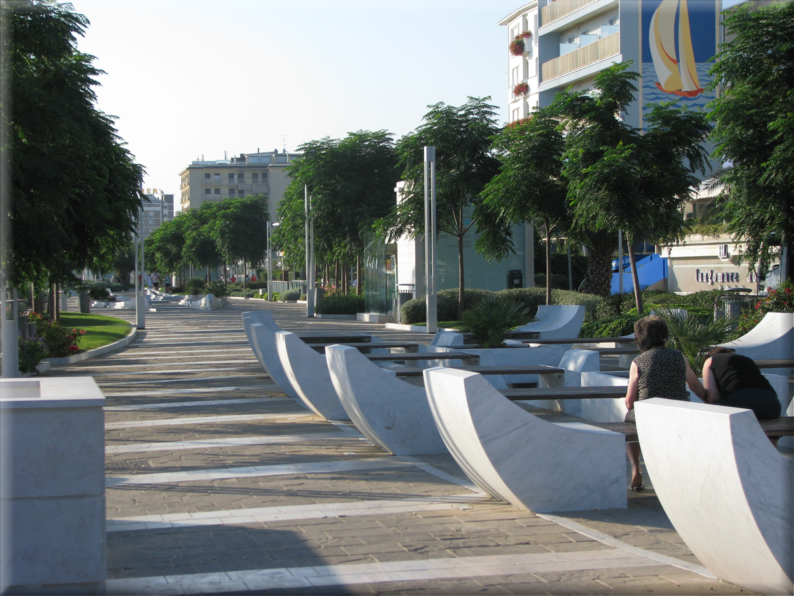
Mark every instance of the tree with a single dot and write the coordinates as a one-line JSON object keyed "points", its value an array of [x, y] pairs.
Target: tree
{"points": [[530, 186], [754, 126], [622, 179], [238, 229], [200, 248], [351, 182], [464, 165], [75, 188]]}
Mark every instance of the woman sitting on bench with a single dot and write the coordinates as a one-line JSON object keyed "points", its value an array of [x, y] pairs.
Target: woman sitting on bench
{"points": [[658, 372], [734, 380]]}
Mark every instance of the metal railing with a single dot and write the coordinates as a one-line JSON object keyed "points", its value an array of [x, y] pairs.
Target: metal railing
{"points": [[284, 286], [556, 10], [603, 48]]}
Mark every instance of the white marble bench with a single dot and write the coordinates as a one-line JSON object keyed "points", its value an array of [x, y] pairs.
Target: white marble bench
{"points": [[725, 488], [518, 457], [772, 338], [261, 330]]}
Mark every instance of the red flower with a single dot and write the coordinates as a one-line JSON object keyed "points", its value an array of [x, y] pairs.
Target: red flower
{"points": [[788, 290], [82, 331], [70, 337], [73, 349]]}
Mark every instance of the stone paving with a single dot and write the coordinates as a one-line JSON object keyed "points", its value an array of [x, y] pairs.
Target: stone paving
{"points": [[219, 483]]}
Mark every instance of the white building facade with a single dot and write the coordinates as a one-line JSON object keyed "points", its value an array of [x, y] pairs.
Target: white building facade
{"points": [[157, 209]]}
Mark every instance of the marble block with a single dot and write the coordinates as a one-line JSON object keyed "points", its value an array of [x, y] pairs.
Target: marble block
{"points": [[574, 362], [518, 457], [263, 342], [771, 339], [308, 373], [725, 488], [210, 302], [557, 321], [603, 410], [390, 412], [52, 505]]}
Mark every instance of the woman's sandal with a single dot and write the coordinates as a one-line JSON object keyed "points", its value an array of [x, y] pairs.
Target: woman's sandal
{"points": [[638, 489]]}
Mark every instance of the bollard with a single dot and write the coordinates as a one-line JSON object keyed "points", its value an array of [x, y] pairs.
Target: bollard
{"points": [[85, 303], [64, 302]]}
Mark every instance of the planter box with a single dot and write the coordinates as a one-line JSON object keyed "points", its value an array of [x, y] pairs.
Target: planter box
{"points": [[52, 508]]}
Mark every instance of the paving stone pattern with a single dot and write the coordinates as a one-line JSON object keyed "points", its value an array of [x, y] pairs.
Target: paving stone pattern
{"points": [[219, 483]]}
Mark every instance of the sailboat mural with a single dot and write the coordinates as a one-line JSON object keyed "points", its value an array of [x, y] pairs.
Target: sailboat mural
{"points": [[675, 64]]}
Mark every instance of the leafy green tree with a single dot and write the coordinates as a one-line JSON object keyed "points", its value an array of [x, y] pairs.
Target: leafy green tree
{"points": [[200, 248], [238, 228], [530, 186], [75, 188], [464, 165], [166, 244], [351, 182], [622, 178], [754, 126]]}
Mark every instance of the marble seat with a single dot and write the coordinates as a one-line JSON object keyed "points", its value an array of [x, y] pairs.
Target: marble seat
{"points": [[520, 458], [771, 339], [557, 320], [725, 488], [391, 413], [261, 330], [308, 373]]}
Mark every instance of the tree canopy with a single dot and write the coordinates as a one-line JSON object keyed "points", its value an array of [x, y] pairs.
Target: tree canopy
{"points": [[75, 188], [622, 178], [754, 126], [465, 163]]}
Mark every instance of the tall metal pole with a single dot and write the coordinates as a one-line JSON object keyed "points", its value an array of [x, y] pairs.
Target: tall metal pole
{"points": [[140, 299], [430, 238], [307, 204], [269, 265], [620, 261]]}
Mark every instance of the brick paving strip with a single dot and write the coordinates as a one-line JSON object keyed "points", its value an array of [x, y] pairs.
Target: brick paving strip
{"points": [[210, 494]]}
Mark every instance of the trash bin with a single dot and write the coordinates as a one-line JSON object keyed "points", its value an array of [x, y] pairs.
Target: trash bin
{"points": [[515, 279], [85, 303]]}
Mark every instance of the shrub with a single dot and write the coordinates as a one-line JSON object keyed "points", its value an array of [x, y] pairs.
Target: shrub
{"points": [[491, 318], [781, 299], [195, 285], [534, 297], [610, 327], [119, 287], [340, 304], [218, 288], [275, 295], [31, 352], [414, 310], [290, 295], [695, 335], [60, 342], [257, 285], [99, 293]]}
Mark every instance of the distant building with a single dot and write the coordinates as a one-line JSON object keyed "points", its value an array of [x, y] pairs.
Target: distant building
{"points": [[158, 209], [523, 69], [250, 173]]}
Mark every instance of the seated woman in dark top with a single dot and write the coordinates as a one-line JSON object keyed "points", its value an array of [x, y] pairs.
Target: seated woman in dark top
{"points": [[735, 381], [658, 372]]}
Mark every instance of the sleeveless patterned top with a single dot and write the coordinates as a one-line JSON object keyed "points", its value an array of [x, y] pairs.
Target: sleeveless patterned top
{"points": [[661, 373]]}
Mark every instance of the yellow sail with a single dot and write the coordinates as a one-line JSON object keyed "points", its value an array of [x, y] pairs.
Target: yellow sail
{"points": [[690, 86], [662, 45]]}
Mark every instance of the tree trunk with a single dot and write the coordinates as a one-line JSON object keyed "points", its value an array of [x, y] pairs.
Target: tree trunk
{"points": [[599, 263], [346, 277], [245, 273], [461, 282], [53, 299], [325, 275], [57, 302], [358, 275], [337, 281], [634, 276], [548, 260]]}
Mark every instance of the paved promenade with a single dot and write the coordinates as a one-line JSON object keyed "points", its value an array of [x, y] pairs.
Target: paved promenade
{"points": [[219, 483]]}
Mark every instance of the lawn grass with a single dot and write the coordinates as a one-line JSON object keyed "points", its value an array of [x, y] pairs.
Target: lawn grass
{"points": [[100, 329]]}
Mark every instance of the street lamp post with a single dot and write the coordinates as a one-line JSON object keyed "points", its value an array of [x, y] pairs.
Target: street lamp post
{"points": [[309, 253], [430, 238], [270, 227]]}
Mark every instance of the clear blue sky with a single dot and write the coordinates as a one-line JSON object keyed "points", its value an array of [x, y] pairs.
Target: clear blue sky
{"points": [[188, 78]]}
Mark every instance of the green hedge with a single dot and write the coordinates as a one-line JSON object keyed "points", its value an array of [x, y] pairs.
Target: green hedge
{"points": [[610, 327], [290, 295], [340, 304]]}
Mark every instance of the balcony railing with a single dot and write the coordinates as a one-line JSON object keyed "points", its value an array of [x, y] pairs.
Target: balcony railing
{"points": [[560, 8], [603, 48]]}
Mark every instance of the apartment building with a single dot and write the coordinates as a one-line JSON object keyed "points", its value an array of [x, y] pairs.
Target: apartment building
{"points": [[250, 173], [158, 208], [523, 61]]}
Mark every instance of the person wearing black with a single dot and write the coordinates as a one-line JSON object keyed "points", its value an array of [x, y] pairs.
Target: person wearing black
{"points": [[734, 380]]}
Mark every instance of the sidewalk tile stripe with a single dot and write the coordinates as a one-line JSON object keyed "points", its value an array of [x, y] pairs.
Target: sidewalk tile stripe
{"points": [[149, 365], [123, 383], [291, 513], [365, 573], [224, 443], [174, 354], [328, 467], [191, 404], [209, 420], [142, 392], [254, 368]]}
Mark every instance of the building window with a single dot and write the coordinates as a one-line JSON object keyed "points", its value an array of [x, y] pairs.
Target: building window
{"points": [[516, 115], [217, 191], [231, 176], [255, 177], [231, 192], [515, 77], [207, 176], [241, 177], [207, 191], [217, 176], [241, 193]]}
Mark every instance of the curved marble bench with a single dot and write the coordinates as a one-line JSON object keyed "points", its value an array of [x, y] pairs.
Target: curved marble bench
{"points": [[557, 320], [518, 457], [262, 337], [308, 373], [771, 339], [725, 488], [390, 412]]}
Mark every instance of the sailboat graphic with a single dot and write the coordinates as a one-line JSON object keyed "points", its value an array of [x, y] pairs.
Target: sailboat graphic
{"points": [[675, 70]]}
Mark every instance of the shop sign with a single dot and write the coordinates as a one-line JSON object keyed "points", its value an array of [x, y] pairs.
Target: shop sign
{"points": [[720, 277]]}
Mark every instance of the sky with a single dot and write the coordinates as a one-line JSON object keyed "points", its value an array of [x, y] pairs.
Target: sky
{"points": [[193, 78]]}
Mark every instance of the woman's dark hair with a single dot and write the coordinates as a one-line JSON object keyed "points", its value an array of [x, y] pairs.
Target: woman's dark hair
{"points": [[718, 350], [650, 332]]}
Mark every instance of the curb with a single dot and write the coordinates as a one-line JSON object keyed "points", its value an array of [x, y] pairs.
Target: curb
{"points": [[348, 317], [414, 328], [117, 345]]}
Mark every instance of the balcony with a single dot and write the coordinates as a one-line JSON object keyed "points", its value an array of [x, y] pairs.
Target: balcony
{"points": [[556, 10], [603, 48]]}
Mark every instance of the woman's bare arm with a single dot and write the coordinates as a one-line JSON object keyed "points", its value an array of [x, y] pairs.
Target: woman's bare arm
{"points": [[710, 383], [693, 381], [631, 390]]}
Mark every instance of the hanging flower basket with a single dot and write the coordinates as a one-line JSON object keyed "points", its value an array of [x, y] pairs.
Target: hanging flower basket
{"points": [[517, 47], [520, 89], [526, 34]]}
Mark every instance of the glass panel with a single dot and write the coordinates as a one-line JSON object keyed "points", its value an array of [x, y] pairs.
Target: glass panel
{"points": [[380, 279]]}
